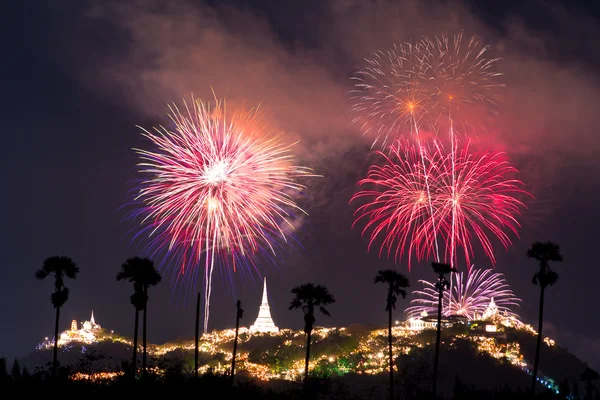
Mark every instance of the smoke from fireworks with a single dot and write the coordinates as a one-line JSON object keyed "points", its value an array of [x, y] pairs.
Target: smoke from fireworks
{"points": [[470, 297], [473, 197], [216, 187]]}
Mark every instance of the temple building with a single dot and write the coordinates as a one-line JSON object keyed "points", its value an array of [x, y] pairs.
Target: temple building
{"points": [[264, 323], [87, 333], [491, 312]]}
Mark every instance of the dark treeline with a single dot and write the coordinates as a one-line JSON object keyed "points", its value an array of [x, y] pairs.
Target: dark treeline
{"points": [[177, 380]]}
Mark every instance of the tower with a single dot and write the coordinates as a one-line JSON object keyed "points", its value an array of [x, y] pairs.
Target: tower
{"points": [[491, 311], [92, 319], [264, 323], [74, 325]]}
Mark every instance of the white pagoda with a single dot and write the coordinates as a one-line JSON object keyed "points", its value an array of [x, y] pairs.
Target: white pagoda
{"points": [[264, 323], [491, 312]]}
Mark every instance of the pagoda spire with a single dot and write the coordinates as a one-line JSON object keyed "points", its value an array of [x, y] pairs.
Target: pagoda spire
{"points": [[264, 323], [265, 299], [92, 319]]}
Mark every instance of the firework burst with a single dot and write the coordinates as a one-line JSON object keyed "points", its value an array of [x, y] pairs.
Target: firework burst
{"points": [[470, 297], [474, 197], [427, 85], [216, 187], [391, 95], [465, 83]]}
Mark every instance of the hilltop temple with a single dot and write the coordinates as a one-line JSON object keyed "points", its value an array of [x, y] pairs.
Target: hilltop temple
{"points": [[264, 323], [87, 333]]}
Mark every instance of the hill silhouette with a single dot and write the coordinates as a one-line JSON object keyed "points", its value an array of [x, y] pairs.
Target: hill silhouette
{"points": [[471, 359]]}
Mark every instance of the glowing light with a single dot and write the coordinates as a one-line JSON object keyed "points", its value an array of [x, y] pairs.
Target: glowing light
{"points": [[471, 295], [449, 79], [474, 197], [217, 188]]}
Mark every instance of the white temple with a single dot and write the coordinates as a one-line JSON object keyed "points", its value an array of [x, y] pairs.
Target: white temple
{"points": [[264, 323], [491, 312], [86, 334]]}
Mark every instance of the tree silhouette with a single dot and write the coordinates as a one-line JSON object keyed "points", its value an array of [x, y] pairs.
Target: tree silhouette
{"points": [[25, 375], [15, 372], [589, 376], [308, 297], [3, 371], [544, 277], [238, 315], [397, 284], [442, 270], [140, 272], [59, 267], [149, 277]]}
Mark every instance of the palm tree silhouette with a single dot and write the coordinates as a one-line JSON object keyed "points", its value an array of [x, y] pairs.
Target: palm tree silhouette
{"points": [[142, 273], [397, 283], [149, 277], [238, 315], [544, 277], [442, 270], [59, 267], [308, 297]]}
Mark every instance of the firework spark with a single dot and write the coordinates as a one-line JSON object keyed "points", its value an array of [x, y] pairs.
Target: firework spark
{"points": [[471, 295], [425, 85], [216, 187], [465, 83], [474, 198], [391, 93]]}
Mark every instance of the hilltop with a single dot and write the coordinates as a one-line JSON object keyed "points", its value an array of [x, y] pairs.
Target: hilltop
{"points": [[473, 355]]}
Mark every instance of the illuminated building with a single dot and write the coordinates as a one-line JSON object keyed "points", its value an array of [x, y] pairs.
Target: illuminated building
{"points": [[264, 323], [418, 324], [491, 312], [87, 334]]}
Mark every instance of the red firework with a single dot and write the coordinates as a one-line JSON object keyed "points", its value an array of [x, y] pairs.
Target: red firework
{"points": [[407, 214]]}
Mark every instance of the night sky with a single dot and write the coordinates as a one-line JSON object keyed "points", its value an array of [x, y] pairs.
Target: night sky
{"points": [[78, 77]]}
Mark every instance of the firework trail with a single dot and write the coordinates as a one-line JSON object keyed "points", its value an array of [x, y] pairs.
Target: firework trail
{"points": [[464, 87], [476, 192], [471, 295], [391, 94], [216, 188], [428, 84], [392, 98]]}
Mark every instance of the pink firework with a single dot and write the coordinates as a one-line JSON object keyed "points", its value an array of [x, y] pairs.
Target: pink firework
{"points": [[471, 296], [465, 82], [391, 93], [473, 199], [433, 84], [217, 185]]}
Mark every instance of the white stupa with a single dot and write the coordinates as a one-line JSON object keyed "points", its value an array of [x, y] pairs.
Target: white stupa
{"points": [[491, 311], [264, 323]]}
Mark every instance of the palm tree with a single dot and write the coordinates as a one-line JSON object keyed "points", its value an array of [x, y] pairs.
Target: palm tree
{"points": [[141, 272], [308, 297], [196, 337], [544, 277], [442, 270], [59, 267], [238, 315], [149, 277], [397, 283]]}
